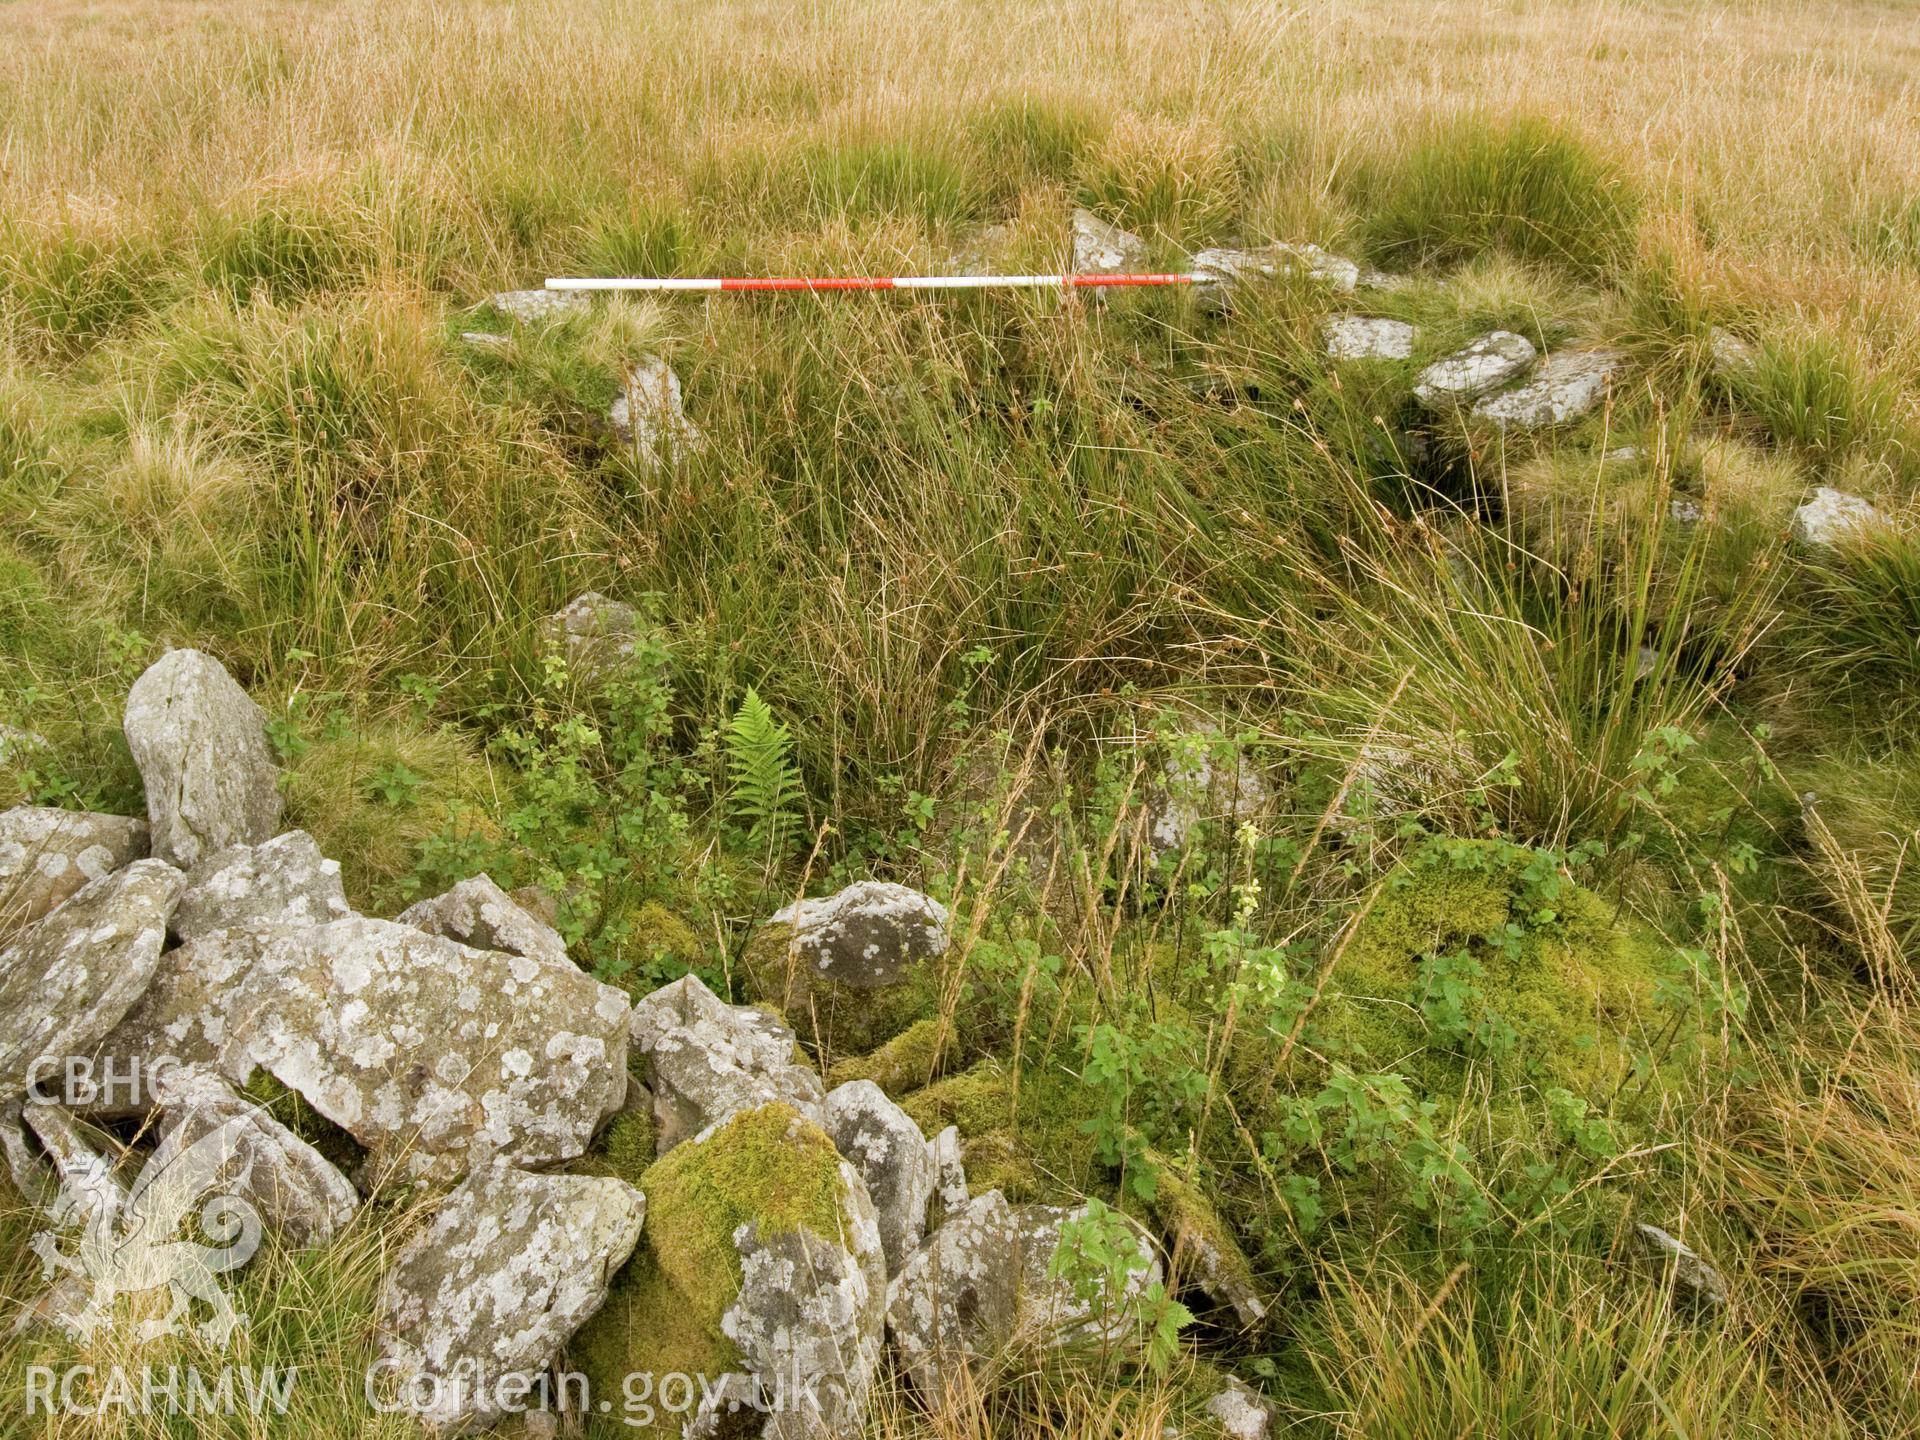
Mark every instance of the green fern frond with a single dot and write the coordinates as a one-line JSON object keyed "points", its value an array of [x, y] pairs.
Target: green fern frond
{"points": [[765, 781]]}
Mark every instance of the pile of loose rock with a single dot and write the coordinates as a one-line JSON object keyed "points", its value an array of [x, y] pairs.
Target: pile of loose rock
{"points": [[458, 1049]]}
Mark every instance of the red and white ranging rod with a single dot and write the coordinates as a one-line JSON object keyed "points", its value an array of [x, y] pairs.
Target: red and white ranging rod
{"points": [[887, 282]]}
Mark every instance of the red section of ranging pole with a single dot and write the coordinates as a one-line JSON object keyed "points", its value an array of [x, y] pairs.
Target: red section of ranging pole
{"points": [[884, 282]]}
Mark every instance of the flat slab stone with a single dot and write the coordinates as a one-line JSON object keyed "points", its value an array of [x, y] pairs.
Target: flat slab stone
{"points": [[285, 882], [201, 745], [1485, 364], [534, 307], [47, 854], [1103, 249], [68, 979], [510, 1265], [479, 913], [434, 1055], [1833, 517], [1367, 337], [1568, 384]]}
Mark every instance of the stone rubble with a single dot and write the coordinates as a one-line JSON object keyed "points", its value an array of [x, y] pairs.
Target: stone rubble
{"points": [[432, 1054], [707, 1061], [479, 913], [73, 975], [285, 882], [509, 1266]]}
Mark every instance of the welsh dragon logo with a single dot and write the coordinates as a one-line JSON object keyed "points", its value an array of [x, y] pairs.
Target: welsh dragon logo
{"points": [[130, 1243]]}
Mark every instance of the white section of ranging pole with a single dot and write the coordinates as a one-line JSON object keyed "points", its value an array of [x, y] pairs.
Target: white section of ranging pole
{"points": [[885, 282]]}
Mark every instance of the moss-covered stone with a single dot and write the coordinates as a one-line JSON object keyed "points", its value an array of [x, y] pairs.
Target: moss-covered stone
{"points": [[904, 1064], [1567, 989], [1200, 1242], [1030, 1147], [830, 1016], [663, 1312]]}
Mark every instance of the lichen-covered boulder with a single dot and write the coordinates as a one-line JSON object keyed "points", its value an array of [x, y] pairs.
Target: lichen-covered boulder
{"points": [[72, 976], [595, 635], [201, 745], [479, 913], [434, 1055], [1833, 517], [181, 1020], [855, 965], [1204, 778], [1368, 337], [981, 1283], [761, 1267], [508, 1268], [284, 882], [892, 1156], [1567, 385], [294, 1189], [707, 1060], [1477, 367], [1103, 249], [537, 307], [47, 854]]}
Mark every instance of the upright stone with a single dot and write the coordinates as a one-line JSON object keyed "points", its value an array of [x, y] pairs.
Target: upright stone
{"points": [[201, 745]]}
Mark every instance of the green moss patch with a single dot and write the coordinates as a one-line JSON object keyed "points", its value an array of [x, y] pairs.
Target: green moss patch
{"points": [[1032, 1146], [1483, 952]]}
